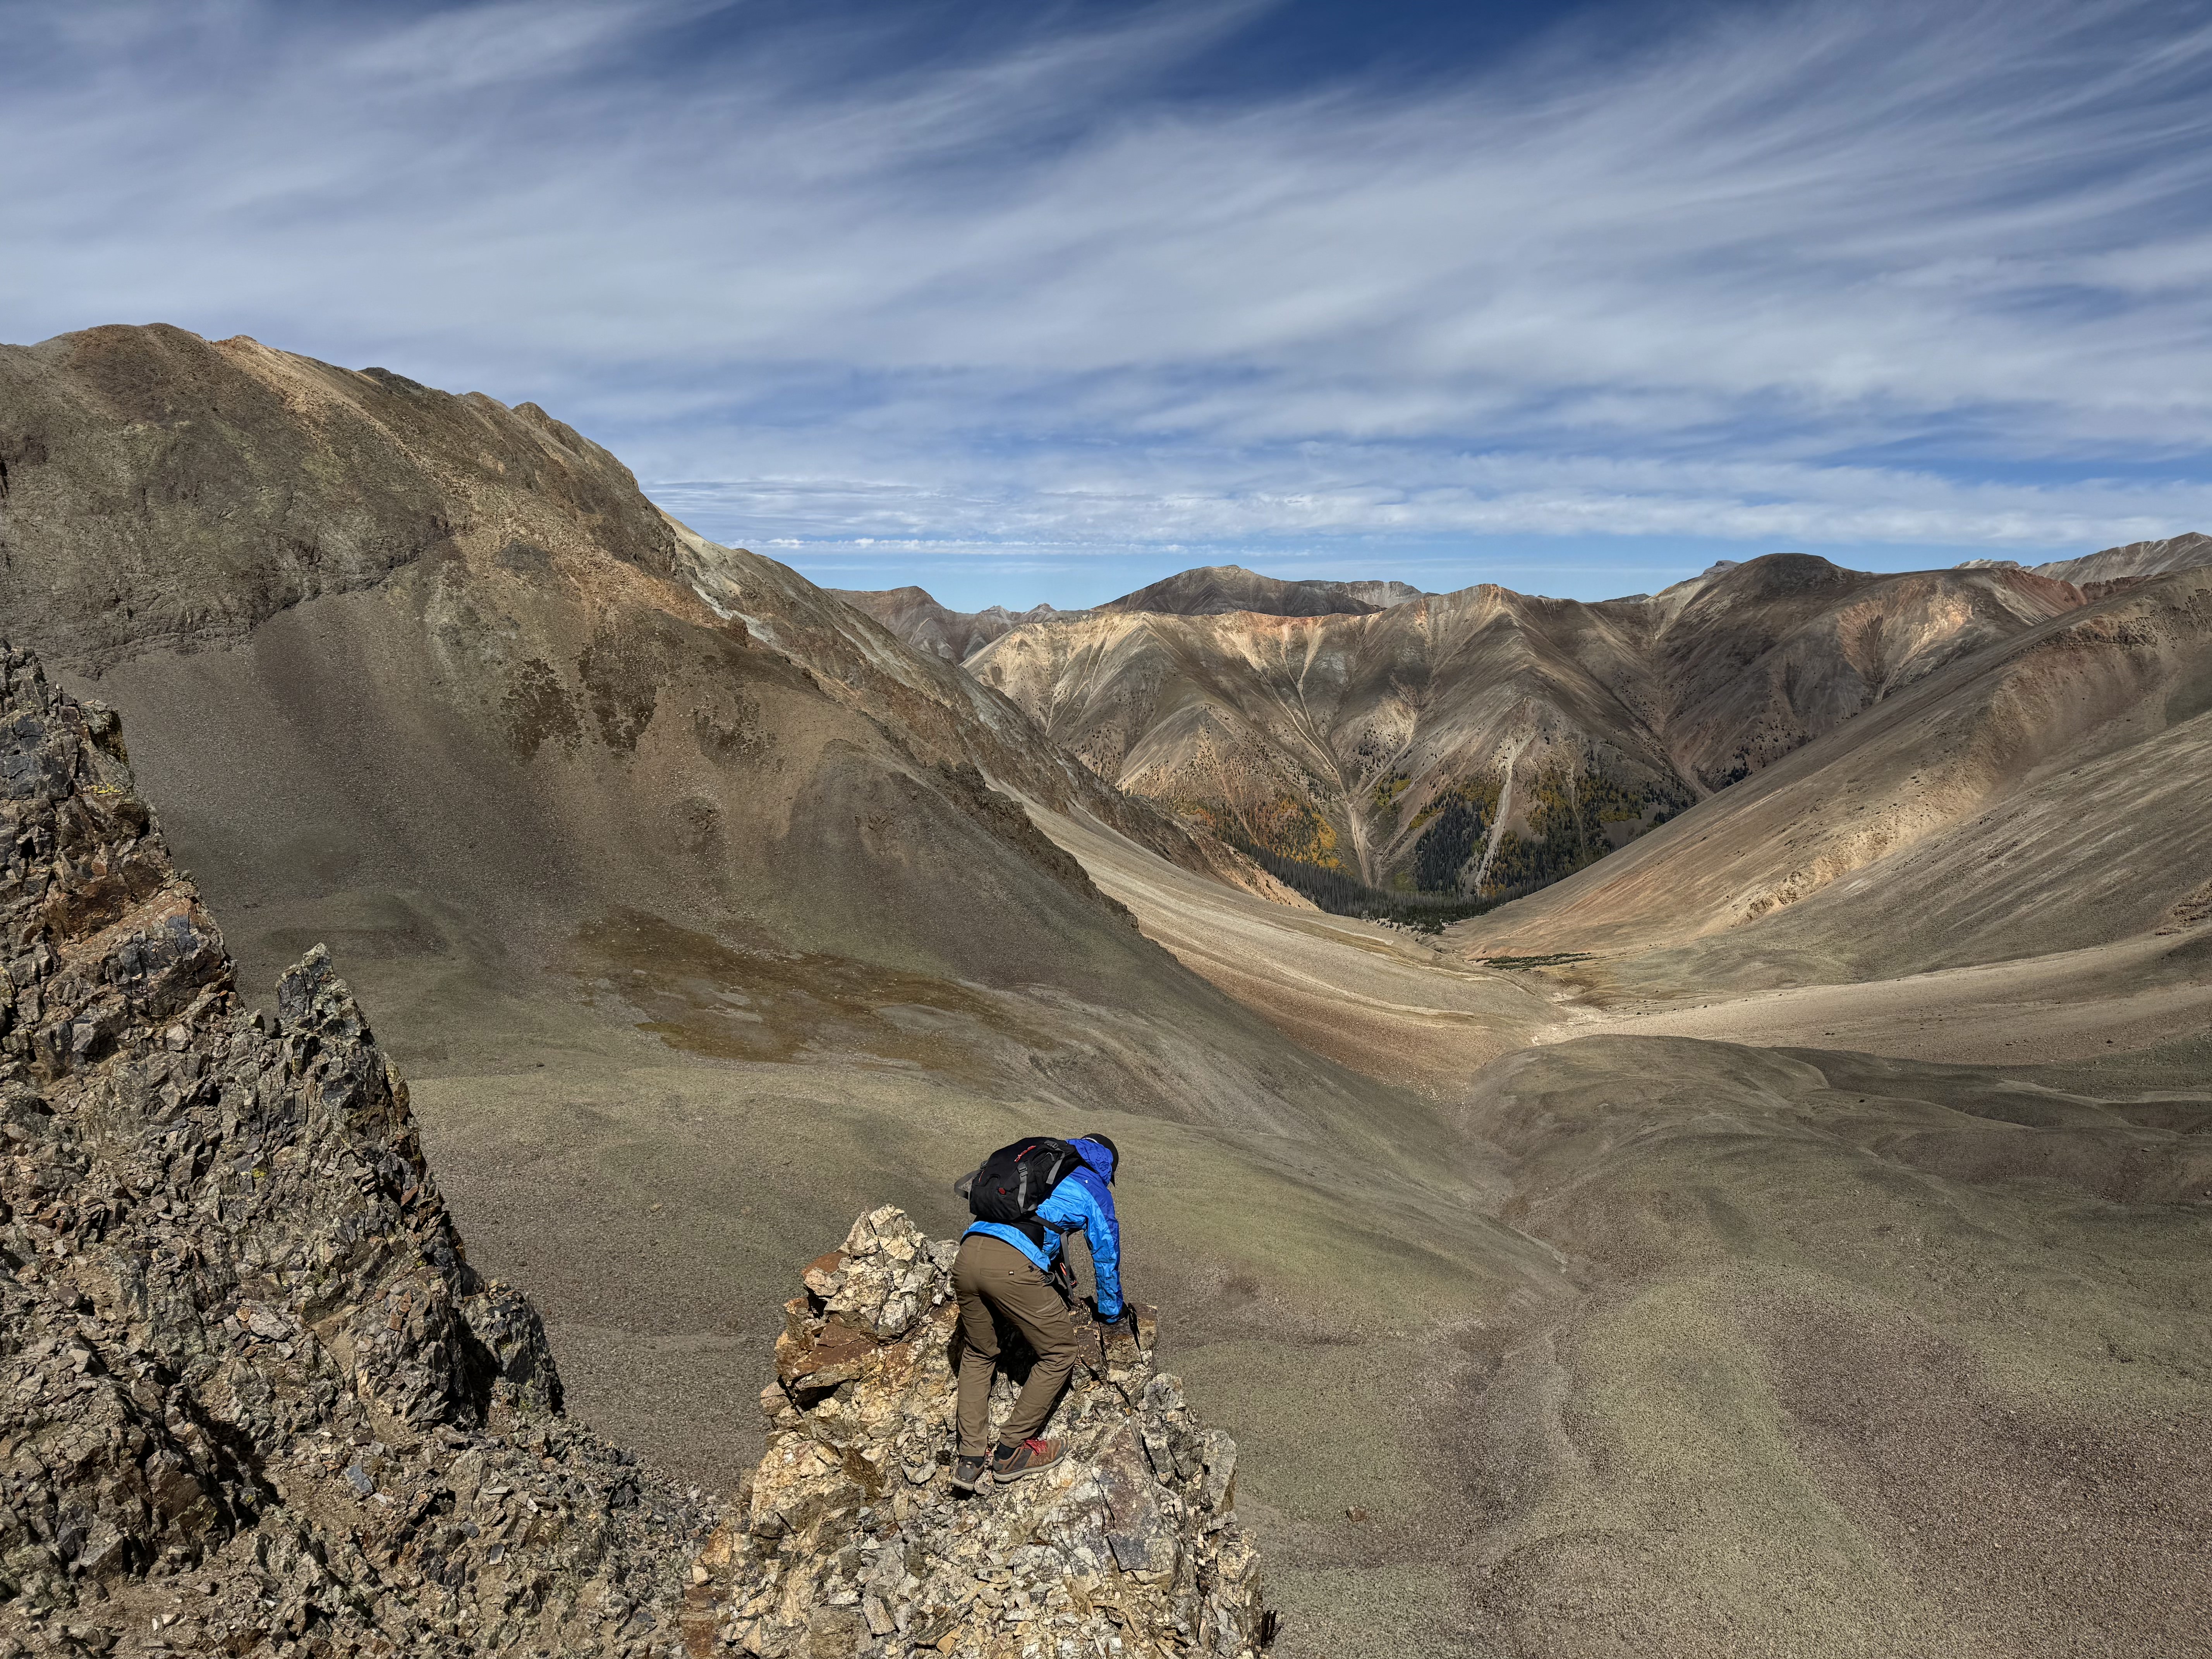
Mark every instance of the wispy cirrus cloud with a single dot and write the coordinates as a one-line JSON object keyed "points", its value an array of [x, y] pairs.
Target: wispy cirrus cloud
{"points": [[1385, 499], [1816, 276]]}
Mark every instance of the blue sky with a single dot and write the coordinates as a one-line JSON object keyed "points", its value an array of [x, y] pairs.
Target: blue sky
{"points": [[1035, 301]]}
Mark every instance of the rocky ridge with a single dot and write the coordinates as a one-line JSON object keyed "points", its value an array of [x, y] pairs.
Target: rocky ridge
{"points": [[1220, 589], [2101, 572], [257, 1401], [914, 615], [857, 1544]]}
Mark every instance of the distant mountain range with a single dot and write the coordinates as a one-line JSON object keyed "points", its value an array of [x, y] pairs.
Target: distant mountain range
{"points": [[2042, 792], [1482, 743], [2137, 562], [1214, 590]]}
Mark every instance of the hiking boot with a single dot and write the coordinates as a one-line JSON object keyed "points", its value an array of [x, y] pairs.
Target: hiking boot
{"points": [[1013, 1462], [966, 1472]]}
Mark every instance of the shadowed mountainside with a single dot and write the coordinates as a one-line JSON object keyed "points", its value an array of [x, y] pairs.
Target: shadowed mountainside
{"points": [[1485, 741]]}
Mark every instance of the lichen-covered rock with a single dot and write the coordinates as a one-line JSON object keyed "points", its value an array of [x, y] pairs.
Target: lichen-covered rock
{"points": [[252, 1397], [851, 1540]]}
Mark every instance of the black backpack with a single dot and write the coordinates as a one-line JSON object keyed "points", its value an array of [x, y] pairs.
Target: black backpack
{"points": [[1010, 1184]]}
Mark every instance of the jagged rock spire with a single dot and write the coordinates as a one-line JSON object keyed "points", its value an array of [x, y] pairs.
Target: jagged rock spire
{"points": [[251, 1391]]}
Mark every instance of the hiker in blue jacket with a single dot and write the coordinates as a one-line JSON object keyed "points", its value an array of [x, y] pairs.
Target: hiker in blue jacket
{"points": [[1004, 1270]]}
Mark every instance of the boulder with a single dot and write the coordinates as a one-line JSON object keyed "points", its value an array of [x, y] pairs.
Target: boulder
{"points": [[852, 1542]]}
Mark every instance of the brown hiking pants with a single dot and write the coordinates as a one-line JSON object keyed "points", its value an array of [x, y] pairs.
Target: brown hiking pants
{"points": [[990, 1275]]}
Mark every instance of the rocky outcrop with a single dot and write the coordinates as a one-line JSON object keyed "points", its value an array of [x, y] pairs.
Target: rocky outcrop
{"points": [[252, 1397], [854, 1542]]}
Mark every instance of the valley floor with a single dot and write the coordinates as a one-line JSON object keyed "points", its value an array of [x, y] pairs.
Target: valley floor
{"points": [[1405, 1008], [1382, 1001], [1875, 1326]]}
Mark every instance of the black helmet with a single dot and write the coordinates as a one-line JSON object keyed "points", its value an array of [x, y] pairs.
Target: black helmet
{"points": [[1112, 1152]]}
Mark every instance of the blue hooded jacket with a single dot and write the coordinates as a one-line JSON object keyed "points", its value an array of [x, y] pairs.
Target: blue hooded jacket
{"points": [[1083, 1203]]}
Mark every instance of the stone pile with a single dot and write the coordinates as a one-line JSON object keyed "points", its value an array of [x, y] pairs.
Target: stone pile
{"points": [[252, 1397], [852, 1542]]}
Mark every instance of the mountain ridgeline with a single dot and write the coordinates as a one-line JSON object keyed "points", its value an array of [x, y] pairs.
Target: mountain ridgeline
{"points": [[955, 635], [1478, 744]]}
